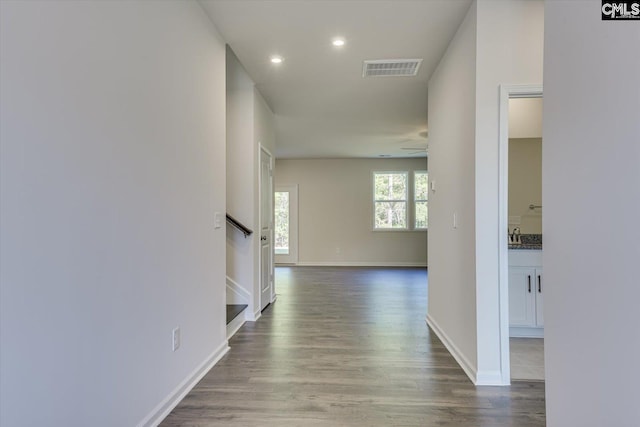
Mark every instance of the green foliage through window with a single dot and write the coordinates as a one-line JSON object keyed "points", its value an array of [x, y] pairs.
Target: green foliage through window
{"points": [[390, 194], [421, 191], [282, 223]]}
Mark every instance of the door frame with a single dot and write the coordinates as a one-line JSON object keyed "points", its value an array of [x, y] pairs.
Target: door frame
{"points": [[292, 257], [272, 293], [507, 91]]}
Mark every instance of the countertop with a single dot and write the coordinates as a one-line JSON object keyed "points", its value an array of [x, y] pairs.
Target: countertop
{"points": [[529, 242]]}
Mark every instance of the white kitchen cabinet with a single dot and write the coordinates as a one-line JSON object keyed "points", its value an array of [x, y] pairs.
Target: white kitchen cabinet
{"points": [[526, 287]]}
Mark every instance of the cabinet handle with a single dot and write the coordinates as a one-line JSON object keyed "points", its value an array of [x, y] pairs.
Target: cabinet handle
{"points": [[529, 277], [539, 284]]}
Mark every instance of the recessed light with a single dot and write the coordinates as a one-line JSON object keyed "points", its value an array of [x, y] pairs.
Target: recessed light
{"points": [[338, 42], [275, 59]]}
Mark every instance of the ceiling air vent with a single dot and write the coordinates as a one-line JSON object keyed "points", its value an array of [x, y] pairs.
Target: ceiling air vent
{"points": [[391, 67]]}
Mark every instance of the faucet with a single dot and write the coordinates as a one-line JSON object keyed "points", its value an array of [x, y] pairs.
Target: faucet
{"points": [[514, 238]]}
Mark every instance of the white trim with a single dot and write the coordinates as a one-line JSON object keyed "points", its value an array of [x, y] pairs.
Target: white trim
{"points": [[263, 149], [236, 324], [464, 363], [252, 317], [524, 332], [359, 264], [167, 405], [235, 287], [506, 91], [486, 378]]}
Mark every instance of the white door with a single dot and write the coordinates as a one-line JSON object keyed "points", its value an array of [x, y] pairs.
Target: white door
{"points": [[267, 291], [286, 224]]}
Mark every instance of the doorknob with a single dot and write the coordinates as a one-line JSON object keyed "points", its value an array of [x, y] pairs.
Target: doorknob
{"points": [[263, 238]]}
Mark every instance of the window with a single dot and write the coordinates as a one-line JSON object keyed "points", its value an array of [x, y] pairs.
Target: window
{"points": [[390, 200], [420, 198], [282, 223]]}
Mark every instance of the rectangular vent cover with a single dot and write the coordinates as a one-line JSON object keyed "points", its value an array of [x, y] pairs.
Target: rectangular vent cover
{"points": [[391, 67]]}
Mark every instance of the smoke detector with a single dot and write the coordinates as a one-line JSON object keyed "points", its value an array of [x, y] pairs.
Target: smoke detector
{"points": [[390, 67]]}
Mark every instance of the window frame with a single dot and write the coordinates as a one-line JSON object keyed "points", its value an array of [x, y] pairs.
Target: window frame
{"points": [[405, 201], [416, 200]]}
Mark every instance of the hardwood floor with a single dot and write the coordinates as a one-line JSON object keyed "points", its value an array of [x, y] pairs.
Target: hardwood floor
{"points": [[349, 347], [527, 359]]}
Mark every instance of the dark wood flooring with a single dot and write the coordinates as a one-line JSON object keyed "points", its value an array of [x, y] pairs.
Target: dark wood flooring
{"points": [[349, 347]]}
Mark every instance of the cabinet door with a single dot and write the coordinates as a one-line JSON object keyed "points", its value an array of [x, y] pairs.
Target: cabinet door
{"points": [[522, 297], [539, 298]]}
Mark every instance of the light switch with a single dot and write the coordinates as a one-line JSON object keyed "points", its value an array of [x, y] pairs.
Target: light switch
{"points": [[455, 220], [217, 220], [433, 186]]}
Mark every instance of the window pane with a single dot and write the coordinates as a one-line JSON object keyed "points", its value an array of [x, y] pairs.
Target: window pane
{"points": [[421, 192], [422, 215], [390, 186], [282, 223], [391, 215]]}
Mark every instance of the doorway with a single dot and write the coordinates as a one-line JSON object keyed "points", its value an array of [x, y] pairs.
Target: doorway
{"points": [[267, 291], [520, 233]]}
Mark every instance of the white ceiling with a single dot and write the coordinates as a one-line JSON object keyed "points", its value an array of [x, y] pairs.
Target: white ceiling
{"points": [[323, 106]]}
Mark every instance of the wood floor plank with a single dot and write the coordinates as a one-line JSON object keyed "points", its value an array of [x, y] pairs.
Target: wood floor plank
{"points": [[349, 347]]}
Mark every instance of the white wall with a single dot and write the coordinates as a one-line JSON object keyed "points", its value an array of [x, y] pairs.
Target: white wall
{"points": [[249, 122], [242, 254], [452, 88], [525, 183], [336, 213], [499, 42], [510, 44], [525, 118], [591, 189], [112, 167]]}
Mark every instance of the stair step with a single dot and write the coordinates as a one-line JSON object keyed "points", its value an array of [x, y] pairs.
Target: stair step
{"points": [[233, 310]]}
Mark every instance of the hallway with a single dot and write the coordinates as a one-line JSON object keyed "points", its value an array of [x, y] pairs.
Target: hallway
{"points": [[349, 347]]}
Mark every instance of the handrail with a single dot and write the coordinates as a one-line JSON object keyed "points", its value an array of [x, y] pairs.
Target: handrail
{"points": [[237, 224]]}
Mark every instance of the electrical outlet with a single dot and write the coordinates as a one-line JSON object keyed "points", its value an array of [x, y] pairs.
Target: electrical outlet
{"points": [[176, 338]]}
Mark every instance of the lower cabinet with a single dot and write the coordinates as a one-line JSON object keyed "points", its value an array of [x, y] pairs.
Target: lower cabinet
{"points": [[526, 286]]}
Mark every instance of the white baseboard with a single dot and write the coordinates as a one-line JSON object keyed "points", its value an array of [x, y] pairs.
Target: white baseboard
{"points": [[236, 324], [524, 332], [464, 363], [236, 293], [489, 378], [167, 405], [360, 264], [252, 316]]}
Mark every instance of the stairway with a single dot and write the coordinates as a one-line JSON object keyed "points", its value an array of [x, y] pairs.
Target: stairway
{"points": [[234, 310], [235, 318]]}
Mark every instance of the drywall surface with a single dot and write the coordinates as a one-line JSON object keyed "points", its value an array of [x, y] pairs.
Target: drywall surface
{"points": [[250, 123], [452, 88], [591, 189], [242, 180], [525, 184], [336, 213], [499, 42], [112, 166], [509, 51]]}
